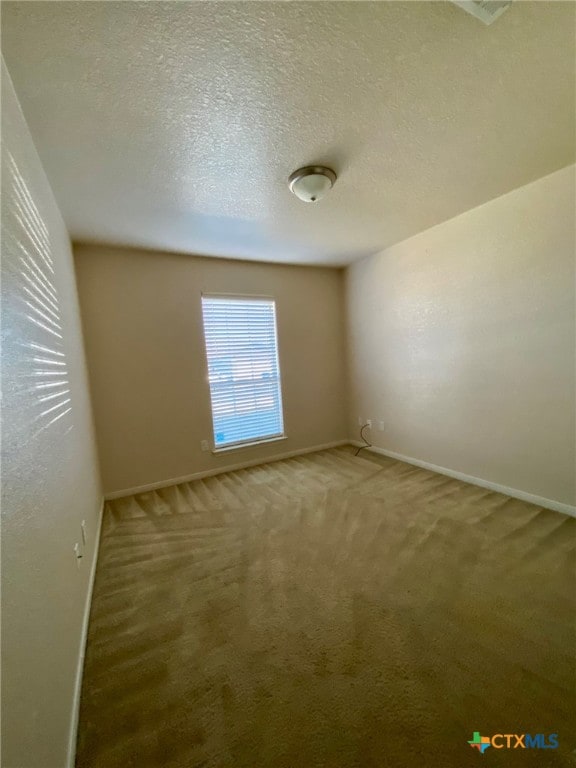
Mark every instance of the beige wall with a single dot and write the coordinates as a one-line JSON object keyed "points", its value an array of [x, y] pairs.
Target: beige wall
{"points": [[461, 340], [143, 326], [50, 477]]}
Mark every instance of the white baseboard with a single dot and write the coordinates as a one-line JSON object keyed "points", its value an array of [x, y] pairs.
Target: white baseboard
{"points": [[222, 470], [82, 652], [540, 501]]}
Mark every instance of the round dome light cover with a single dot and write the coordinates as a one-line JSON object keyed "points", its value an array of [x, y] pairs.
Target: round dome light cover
{"points": [[310, 184]]}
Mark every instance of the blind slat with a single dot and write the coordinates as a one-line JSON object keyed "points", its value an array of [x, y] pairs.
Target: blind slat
{"points": [[243, 371]]}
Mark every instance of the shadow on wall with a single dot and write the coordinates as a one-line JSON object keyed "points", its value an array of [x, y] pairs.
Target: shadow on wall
{"points": [[44, 387]]}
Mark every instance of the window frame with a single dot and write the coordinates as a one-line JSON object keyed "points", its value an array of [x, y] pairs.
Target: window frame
{"points": [[250, 442]]}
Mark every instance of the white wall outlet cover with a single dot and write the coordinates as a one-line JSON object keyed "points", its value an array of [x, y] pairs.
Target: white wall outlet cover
{"points": [[381, 426], [204, 445]]}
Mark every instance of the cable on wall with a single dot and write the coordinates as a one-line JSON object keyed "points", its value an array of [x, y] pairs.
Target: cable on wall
{"points": [[368, 445]]}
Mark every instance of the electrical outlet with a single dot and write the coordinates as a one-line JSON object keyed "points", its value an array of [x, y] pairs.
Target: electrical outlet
{"points": [[381, 426], [83, 529], [204, 445], [369, 423]]}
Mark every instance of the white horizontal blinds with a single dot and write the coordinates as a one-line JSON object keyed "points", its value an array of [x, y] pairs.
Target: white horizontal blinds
{"points": [[243, 372]]}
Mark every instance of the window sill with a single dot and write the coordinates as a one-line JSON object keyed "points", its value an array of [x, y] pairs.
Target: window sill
{"points": [[238, 446]]}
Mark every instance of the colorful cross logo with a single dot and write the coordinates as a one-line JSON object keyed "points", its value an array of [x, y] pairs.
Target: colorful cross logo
{"points": [[481, 743]]}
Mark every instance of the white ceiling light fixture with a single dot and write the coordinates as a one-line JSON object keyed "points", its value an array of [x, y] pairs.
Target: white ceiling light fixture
{"points": [[311, 183], [485, 10]]}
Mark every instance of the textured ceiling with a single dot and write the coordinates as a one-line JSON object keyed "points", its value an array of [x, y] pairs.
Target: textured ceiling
{"points": [[175, 125]]}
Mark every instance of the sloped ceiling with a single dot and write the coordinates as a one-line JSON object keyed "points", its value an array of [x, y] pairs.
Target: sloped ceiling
{"points": [[174, 125]]}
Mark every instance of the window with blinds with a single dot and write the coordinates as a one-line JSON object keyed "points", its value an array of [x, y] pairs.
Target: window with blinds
{"points": [[243, 370]]}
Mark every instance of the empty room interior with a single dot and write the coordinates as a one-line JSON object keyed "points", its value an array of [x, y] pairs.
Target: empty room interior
{"points": [[288, 384]]}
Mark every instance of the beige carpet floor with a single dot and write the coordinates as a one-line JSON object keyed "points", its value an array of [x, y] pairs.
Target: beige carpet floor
{"points": [[328, 611]]}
